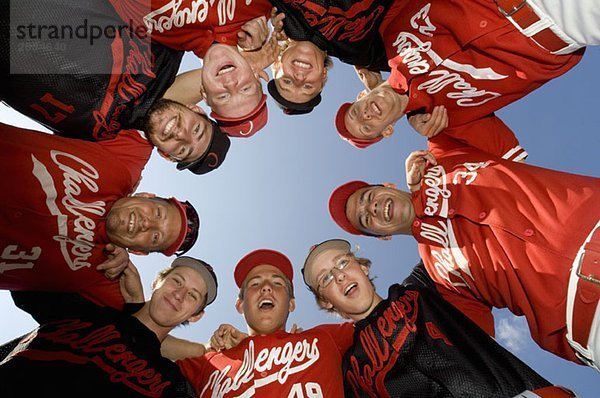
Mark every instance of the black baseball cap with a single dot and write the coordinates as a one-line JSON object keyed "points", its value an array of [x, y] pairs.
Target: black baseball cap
{"points": [[289, 107], [214, 155], [205, 270]]}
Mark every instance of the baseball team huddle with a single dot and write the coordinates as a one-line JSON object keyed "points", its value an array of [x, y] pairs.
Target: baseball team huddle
{"points": [[71, 213]]}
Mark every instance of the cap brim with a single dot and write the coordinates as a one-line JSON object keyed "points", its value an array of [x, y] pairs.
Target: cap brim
{"points": [[200, 267], [289, 107], [260, 257], [331, 244]]}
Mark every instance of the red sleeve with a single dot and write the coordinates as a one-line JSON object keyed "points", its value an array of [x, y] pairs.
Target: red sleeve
{"points": [[133, 149], [477, 311], [105, 293], [342, 334], [193, 368], [488, 134]]}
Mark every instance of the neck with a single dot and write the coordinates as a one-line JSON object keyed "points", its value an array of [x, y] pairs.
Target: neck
{"points": [[143, 315]]}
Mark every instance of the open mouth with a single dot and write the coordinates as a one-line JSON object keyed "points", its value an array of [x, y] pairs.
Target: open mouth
{"points": [[131, 224], [228, 68], [266, 304], [301, 64], [388, 210], [350, 288], [169, 127], [375, 108]]}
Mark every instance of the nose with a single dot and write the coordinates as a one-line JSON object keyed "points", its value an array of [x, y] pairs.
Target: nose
{"points": [[339, 274], [299, 76], [230, 84], [147, 223], [366, 114], [266, 287], [372, 208], [179, 294]]}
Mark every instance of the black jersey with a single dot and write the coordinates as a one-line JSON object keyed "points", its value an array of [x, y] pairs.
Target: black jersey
{"points": [[346, 29], [415, 344], [84, 350], [77, 68]]}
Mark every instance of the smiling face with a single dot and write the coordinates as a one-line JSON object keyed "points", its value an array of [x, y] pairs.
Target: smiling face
{"points": [[350, 292], [379, 210], [266, 301], [370, 116], [300, 75], [144, 224], [231, 87], [178, 132], [177, 297]]}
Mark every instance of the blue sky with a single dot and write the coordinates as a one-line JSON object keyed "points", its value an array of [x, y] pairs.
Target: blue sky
{"points": [[272, 191]]}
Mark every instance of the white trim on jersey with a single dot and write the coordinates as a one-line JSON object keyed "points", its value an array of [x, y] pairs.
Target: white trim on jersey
{"points": [[516, 154], [590, 354]]}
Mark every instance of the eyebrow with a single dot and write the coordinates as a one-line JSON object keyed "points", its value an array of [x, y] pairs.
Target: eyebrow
{"points": [[185, 280]]}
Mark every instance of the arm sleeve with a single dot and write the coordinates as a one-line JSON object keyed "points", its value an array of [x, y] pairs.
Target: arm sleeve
{"points": [[478, 312], [193, 370], [48, 306], [342, 334], [488, 134]]}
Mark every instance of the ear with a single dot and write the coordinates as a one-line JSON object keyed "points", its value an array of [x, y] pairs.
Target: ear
{"points": [[385, 237], [292, 305], [145, 195], [196, 109], [196, 318], [239, 306], [390, 185], [261, 74], [364, 269], [388, 131], [323, 303], [137, 252]]}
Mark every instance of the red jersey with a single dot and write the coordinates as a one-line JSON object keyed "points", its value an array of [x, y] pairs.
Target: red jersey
{"points": [[277, 365], [192, 25], [495, 233], [465, 55], [52, 221]]}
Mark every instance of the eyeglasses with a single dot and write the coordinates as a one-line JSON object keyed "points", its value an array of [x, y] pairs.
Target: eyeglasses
{"points": [[328, 277]]}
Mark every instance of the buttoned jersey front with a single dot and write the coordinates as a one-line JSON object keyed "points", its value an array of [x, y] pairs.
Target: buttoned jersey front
{"points": [[464, 55], [52, 219], [274, 365], [496, 233]]}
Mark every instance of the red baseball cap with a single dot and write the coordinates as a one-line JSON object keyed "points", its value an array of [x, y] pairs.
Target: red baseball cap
{"points": [[245, 126], [340, 125], [337, 205], [190, 225], [261, 257]]}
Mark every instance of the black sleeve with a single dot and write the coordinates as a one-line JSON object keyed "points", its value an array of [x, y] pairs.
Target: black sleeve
{"points": [[48, 306], [419, 278]]}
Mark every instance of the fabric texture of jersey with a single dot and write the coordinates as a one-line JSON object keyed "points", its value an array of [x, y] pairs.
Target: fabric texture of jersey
{"points": [[276, 365], [87, 88], [52, 224], [489, 236], [346, 29], [191, 25], [464, 55], [415, 344], [81, 349]]}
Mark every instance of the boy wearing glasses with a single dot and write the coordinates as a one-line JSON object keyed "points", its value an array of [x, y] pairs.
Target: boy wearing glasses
{"points": [[413, 343]]}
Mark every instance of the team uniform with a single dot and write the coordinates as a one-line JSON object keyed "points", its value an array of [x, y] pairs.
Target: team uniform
{"points": [[494, 233], [467, 56], [81, 88], [81, 349], [52, 222], [277, 365], [191, 25], [415, 344], [346, 29]]}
